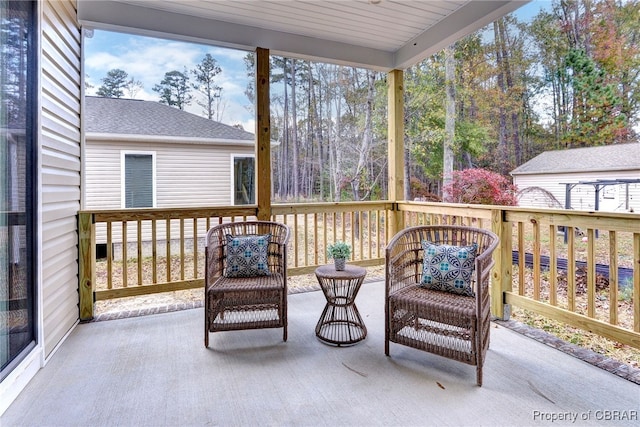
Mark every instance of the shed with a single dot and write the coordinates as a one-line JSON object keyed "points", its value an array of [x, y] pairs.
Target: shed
{"points": [[611, 171]]}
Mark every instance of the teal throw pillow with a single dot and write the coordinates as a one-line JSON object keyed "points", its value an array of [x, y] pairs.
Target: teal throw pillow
{"points": [[247, 256], [448, 268]]}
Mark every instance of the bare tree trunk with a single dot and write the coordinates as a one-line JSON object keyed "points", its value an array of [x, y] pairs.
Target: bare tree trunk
{"points": [[503, 152], [317, 119], [515, 122], [285, 134], [450, 119], [294, 134], [367, 137]]}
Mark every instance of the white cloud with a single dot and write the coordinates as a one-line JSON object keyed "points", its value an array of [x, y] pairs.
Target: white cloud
{"points": [[148, 59]]}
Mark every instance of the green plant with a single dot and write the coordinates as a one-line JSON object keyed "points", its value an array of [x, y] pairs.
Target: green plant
{"points": [[626, 291], [339, 250]]}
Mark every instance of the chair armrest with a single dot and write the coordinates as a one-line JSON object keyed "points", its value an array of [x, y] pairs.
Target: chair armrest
{"points": [[214, 268], [483, 264], [403, 268]]}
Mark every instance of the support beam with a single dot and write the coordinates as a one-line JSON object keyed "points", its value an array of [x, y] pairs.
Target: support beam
{"points": [[395, 119], [263, 136], [86, 265]]}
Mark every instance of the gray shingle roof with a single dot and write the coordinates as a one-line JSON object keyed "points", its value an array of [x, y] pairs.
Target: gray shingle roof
{"points": [[588, 159], [137, 117]]}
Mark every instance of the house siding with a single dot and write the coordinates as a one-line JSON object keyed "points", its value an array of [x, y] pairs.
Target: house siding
{"points": [[59, 169], [187, 175], [582, 196]]}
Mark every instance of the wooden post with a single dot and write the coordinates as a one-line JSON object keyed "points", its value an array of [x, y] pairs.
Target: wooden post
{"points": [[501, 276], [86, 264], [263, 136], [395, 119]]}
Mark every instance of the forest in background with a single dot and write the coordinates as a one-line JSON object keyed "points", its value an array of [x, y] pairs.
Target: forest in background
{"points": [[568, 78]]}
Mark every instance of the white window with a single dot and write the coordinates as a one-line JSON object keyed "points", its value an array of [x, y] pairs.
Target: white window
{"points": [[138, 179], [243, 172]]}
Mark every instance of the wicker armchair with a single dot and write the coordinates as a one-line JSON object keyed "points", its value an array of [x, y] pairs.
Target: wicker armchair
{"points": [[235, 299], [440, 322]]}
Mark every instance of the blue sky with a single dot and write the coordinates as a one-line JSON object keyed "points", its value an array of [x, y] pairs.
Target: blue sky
{"points": [[148, 59]]}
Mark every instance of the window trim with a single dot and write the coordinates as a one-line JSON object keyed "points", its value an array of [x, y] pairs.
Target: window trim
{"points": [[123, 197], [232, 175]]}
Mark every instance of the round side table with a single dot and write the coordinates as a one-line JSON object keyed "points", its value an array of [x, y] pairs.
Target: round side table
{"points": [[340, 323]]}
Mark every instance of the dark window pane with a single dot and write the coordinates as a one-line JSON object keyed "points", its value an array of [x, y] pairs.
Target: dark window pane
{"points": [[243, 174], [138, 169]]}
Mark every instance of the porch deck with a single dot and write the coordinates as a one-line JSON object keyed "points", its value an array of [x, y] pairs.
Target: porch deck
{"points": [[154, 371]]}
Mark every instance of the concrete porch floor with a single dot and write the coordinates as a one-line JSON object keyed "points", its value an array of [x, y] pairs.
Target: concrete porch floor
{"points": [[154, 371]]}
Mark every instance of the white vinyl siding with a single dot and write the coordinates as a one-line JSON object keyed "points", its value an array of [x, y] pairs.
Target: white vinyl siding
{"points": [[186, 175], [582, 196], [59, 169]]}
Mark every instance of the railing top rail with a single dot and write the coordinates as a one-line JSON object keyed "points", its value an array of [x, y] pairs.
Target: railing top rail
{"points": [[106, 215], [282, 208]]}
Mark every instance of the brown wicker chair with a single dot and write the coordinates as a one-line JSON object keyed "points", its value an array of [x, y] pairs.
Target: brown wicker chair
{"points": [[447, 324], [236, 303]]}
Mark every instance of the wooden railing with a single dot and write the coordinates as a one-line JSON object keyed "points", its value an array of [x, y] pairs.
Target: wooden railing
{"points": [[585, 253], [159, 250]]}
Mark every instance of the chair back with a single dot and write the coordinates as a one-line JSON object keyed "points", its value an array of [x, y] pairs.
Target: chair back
{"points": [[406, 246], [216, 244]]}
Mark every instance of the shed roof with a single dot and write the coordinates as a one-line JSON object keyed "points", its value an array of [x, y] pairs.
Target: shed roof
{"points": [[615, 157], [119, 116]]}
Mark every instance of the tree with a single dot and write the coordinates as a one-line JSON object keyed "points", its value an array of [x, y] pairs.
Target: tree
{"points": [[174, 89], [205, 75], [133, 86], [450, 118], [114, 84]]}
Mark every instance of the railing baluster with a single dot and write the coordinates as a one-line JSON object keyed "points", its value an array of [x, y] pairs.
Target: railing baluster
{"points": [[571, 269], [195, 248], [125, 243], [315, 238], [613, 278], [553, 266], [352, 227], [591, 273], [636, 282], [168, 247], [154, 251], [139, 263], [306, 239], [325, 221], [295, 240], [521, 259], [109, 256], [181, 248], [536, 260]]}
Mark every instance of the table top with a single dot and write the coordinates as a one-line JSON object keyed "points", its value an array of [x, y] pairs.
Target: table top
{"points": [[350, 272]]}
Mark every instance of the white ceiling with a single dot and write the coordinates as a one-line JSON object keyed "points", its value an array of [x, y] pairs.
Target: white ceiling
{"points": [[384, 34]]}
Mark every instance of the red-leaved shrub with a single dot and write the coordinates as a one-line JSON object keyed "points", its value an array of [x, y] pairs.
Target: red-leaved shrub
{"points": [[481, 187]]}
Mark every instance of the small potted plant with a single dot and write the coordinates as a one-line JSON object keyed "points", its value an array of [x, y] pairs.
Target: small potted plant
{"points": [[340, 252]]}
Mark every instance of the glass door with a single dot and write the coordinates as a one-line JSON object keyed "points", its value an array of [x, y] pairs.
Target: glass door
{"points": [[17, 183]]}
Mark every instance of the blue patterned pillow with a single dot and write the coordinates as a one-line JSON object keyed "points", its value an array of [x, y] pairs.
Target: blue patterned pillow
{"points": [[448, 268], [247, 256]]}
